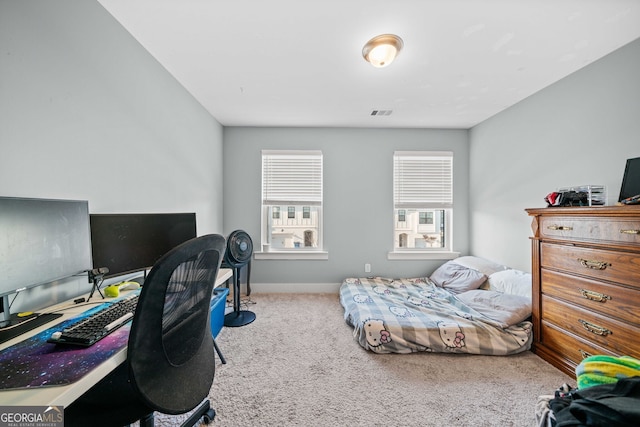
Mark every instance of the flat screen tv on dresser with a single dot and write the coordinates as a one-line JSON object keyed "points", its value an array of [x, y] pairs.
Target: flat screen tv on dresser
{"points": [[585, 283], [630, 180]]}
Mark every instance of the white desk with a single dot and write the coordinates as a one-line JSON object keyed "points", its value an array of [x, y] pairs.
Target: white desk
{"points": [[65, 395]]}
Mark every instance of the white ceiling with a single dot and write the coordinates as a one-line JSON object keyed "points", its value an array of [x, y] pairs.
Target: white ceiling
{"points": [[299, 63]]}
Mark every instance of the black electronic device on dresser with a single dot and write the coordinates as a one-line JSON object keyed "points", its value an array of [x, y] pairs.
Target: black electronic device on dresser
{"points": [[630, 189]]}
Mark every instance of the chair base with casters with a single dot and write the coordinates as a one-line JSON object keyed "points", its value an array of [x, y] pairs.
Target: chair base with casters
{"points": [[204, 411], [170, 361]]}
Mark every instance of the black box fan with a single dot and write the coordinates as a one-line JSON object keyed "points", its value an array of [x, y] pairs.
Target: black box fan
{"points": [[237, 255], [239, 249]]}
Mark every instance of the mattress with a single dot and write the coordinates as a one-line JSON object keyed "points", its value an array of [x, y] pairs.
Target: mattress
{"points": [[414, 315]]}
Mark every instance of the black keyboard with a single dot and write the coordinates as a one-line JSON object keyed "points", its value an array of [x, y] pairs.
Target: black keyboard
{"points": [[92, 329]]}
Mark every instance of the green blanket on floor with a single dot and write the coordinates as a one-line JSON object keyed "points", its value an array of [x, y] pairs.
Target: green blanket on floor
{"points": [[601, 369]]}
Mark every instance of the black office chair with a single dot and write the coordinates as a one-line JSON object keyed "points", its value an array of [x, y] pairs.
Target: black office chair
{"points": [[170, 356]]}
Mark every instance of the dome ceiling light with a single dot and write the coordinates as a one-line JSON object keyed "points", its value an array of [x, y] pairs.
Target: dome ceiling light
{"points": [[381, 50]]}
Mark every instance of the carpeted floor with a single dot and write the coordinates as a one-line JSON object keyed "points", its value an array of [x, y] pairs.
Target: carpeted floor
{"points": [[297, 364]]}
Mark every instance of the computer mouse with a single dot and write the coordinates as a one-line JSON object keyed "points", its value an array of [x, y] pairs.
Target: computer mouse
{"points": [[129, 286]]}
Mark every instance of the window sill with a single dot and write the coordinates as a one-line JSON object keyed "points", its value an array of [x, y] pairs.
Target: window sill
{"points": [[291, 255], [421, 255]]}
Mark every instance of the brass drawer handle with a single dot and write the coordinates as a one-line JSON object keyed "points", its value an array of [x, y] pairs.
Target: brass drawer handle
{"points": [[630, 231], [560, 227], [594, 296], [595, 329], [595, 265], [584, 354]]}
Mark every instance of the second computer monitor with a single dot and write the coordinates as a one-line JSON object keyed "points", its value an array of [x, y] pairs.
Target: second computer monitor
{"points": [[128, 243]]}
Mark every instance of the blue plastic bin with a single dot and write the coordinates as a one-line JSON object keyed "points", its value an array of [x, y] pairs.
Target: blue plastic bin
{"points": [[218, 304]]}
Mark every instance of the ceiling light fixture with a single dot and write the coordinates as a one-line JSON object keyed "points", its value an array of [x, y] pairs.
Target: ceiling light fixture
{"points": [[381, 50]]}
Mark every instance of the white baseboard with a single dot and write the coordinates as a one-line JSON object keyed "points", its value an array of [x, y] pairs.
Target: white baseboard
{"points": [[314, 288]]}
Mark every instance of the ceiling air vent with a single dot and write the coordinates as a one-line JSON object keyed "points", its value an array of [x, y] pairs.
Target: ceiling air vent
{"points": [[381, 112]]}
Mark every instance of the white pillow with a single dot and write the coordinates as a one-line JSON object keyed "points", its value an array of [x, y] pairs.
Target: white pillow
{"points": [[456, 278], [482, 265], [513, 282], [503, 308]]}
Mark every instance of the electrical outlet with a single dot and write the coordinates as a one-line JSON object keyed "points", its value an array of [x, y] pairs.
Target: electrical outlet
{"points": [[367, 268]]}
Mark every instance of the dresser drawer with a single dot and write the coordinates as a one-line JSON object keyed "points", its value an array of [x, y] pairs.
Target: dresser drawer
{"points": [[597, 230], [616, 301], [569, 345], [621, 267], [593, 327]]}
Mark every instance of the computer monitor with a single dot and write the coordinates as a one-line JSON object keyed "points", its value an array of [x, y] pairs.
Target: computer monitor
{"points": [[129, 243], [41, 241], [631, 179]]}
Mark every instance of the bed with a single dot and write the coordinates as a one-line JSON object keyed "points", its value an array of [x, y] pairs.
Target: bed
{"points": [[468, 305]]}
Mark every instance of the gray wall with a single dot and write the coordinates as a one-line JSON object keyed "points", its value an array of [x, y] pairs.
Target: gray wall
{"points": [[578, 131], [86, 113], [358, 196]]}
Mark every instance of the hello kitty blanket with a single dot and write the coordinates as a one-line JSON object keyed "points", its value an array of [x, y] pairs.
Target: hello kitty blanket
{"points": [[412, 315]]}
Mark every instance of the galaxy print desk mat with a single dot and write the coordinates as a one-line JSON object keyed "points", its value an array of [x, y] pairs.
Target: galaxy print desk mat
{"points": [[36, 363]]}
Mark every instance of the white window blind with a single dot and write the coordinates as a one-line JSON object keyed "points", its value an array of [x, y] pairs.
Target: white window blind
{"points": [[292, 177], [423, 179]]}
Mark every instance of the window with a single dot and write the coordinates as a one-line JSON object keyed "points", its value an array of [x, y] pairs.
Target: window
{"points": [[423, 200], [292, 180], [426, 217]]}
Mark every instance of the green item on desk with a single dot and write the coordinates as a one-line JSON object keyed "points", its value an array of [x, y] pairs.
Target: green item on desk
{"points": [[114, 290]]}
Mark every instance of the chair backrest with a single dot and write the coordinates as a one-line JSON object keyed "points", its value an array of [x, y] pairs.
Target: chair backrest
{"points": [[171, 352]]}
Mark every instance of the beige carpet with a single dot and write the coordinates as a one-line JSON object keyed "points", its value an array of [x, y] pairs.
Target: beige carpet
{"points": [[298, 365]]}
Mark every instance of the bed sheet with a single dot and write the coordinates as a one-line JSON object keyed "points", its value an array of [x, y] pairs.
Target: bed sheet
{"points": [[414, 315]]}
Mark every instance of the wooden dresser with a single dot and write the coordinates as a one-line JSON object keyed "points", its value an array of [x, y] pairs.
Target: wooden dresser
{"points": [[586, 283]]}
